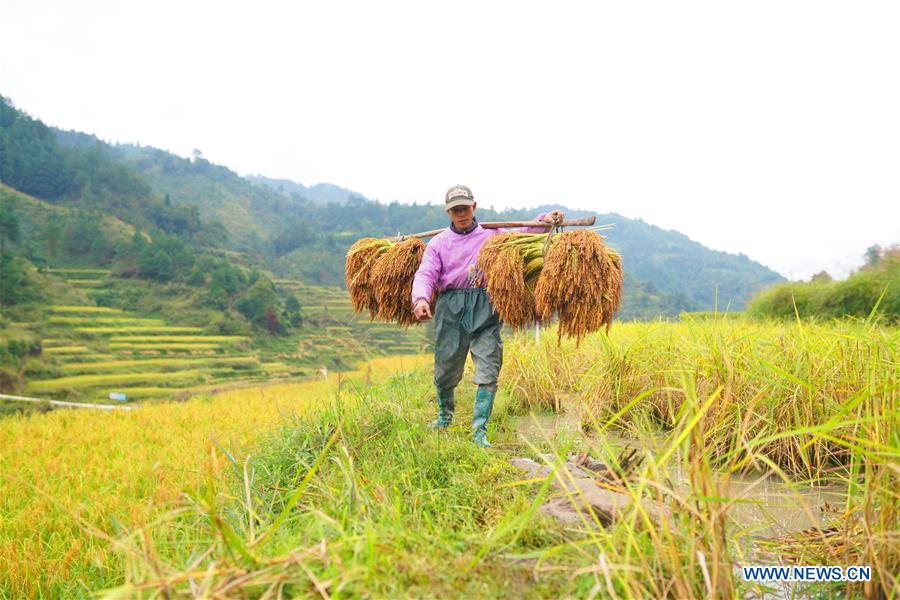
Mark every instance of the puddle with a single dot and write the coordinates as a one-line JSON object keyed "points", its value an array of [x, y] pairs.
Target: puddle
{"points": [[766, 506], [762, 506], [537, 428]]}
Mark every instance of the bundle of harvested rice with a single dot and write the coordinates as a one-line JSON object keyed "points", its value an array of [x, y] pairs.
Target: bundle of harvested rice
{"points": [[612, 295], [511, 263], [391, 281], [360, 261], [581, 281]]}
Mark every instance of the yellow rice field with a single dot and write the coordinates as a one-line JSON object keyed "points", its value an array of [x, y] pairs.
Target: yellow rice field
{"points": [[66, 477]]}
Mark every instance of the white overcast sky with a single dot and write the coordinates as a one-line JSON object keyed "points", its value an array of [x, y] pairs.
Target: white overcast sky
{"points": [[770, 128]]}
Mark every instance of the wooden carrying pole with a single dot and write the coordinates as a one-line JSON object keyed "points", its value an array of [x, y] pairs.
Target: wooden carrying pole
{"points": [[581, 222]]}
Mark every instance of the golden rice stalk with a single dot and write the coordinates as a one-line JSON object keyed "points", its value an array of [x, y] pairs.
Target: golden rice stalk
{"points": [[578, 270], [502, 261], [612, 295], [391, 280], [358, 270]]}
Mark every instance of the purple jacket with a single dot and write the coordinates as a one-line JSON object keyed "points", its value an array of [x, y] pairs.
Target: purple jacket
{"points": [[450, 260]]}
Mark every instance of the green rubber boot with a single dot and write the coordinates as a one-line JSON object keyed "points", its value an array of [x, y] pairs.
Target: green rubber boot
{"points": [[484, 403], [445, 410]]}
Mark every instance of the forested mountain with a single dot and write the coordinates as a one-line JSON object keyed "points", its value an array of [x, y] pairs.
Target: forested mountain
{"points": [[87, 175], [179, 208], [320, 193]]}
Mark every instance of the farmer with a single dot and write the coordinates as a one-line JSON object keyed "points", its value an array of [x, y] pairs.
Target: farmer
{"points": [[465, 321]]}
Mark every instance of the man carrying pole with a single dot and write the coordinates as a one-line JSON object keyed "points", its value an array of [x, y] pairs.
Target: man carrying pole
{"points": [[465, 321]]}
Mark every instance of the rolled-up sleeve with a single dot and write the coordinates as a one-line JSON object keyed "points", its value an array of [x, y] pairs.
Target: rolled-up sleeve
{"points": [[427, 275]]}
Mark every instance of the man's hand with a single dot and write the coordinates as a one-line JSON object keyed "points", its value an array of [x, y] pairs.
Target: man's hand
{"points": [[554, 218], [422, 311]]}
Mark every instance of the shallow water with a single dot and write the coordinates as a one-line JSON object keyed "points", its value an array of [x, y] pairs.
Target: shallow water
{"points": [[762, 505]]}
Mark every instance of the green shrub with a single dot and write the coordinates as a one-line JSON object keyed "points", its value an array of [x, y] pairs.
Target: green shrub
{"points": [[857, 296]]}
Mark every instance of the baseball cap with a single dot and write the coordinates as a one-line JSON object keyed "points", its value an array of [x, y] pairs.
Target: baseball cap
{"points": [[458, 195]]}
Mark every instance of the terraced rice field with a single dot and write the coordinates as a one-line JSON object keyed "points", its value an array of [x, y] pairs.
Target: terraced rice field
{"points": [[87, 310], [343, 332], [166, 347], [93, 381], [84, 321], [85, 282], [67, 350], [94, 351], [126, 329], [136, 339], [108, 366]]}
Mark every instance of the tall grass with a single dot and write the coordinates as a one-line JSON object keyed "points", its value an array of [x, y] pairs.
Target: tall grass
{"points": [[780, 383], [361, 500], [358, 498], [814, 403]]}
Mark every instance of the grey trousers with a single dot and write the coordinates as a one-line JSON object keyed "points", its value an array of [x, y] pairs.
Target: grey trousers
{"points": [[465, 321]]}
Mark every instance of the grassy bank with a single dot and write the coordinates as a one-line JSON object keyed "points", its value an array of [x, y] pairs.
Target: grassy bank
{"points": [[874, 287]]}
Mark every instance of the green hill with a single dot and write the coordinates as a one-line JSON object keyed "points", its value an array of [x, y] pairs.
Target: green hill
{"points": [[187, 209], [873, 289]]}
